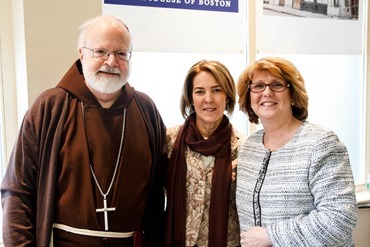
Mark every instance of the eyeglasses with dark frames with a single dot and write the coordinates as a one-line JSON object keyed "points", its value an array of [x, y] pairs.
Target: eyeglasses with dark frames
{"points": [[104, 53], [274, 86]]}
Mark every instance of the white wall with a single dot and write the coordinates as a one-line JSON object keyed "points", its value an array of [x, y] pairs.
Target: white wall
{"points": [[161, 76]]}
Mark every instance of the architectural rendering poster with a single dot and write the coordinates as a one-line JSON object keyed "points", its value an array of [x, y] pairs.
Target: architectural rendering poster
{"points": [[183, 25], [288, 26]]}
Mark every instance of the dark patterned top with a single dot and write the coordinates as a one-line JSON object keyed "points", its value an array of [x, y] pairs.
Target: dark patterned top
{"points": [[198, 190]]}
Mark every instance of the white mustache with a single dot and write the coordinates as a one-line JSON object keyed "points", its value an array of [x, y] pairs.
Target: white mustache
{"points": [[109, 70]]}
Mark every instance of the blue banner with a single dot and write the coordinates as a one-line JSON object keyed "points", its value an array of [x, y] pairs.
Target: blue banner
{"points": [[210, 5]]}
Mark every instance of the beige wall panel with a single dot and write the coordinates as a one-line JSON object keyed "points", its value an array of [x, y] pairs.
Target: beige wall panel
{"points": [[51, 30]]}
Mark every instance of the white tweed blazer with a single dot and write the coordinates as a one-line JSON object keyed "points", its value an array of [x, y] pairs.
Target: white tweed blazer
{"points": [[303, 193]]}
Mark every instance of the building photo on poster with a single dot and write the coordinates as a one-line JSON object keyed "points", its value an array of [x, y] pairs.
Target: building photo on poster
{"points": [[337, 25], [338, 9]]}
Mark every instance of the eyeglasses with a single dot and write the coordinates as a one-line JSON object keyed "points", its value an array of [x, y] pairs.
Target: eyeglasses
{"points": [[275, 87], [103, 53]]}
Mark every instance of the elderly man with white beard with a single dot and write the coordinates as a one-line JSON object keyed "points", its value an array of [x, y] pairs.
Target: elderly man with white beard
{"points": [[88, 166]]}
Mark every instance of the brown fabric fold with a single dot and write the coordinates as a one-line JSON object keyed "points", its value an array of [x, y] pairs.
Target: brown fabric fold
{"points": [[218, 145]]}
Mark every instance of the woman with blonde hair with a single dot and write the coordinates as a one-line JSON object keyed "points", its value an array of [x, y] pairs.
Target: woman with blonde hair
{"points": [[294, 180]]}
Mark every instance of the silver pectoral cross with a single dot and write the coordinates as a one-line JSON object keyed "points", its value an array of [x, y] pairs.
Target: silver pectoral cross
{"points": [[105, 210]]}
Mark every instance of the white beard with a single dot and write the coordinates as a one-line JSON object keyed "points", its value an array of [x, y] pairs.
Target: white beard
{"points": [[103, 84]]}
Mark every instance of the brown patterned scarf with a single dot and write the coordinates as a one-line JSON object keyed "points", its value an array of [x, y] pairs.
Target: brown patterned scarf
{"points": [[218, 145]]}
